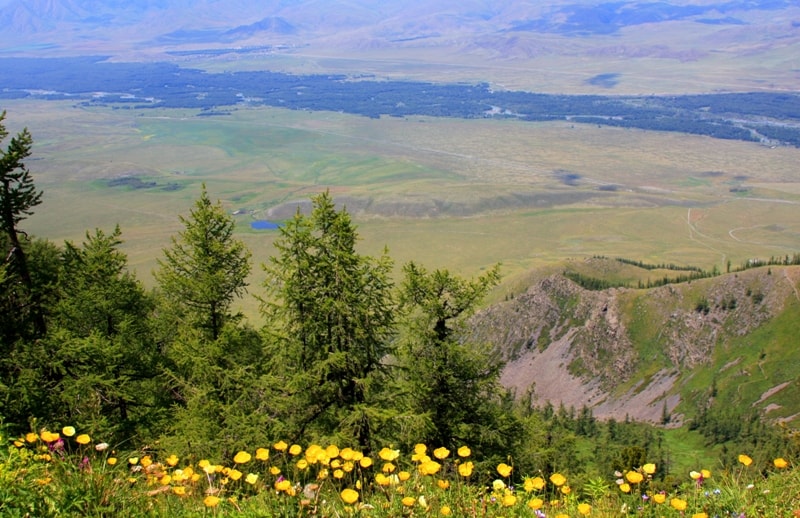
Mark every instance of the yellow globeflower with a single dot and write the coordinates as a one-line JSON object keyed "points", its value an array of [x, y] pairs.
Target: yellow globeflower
{"points": [[584, 509], [313, 452], [295, 449], [465, 469], [780, 463], [562, 515], [283, 485], [430, 467], [172, 460], [165, 480], [146, 461], [211, 501], [558, 479], [302, 464], [349, 496], [504, 469], [275, 470], [332, 451], [535, 503], [634, 477], [464, 451], [649, 468], [420, 448], [68, 431], [443, 484], [242, 457], [179, 490], [441, 453], [566, 490], [678, 504], [280, 446], [262, 454], [83, 439], [659, 498], [744, 459], [133, 461], [388, 467], [509, 500], [49, 436], [533, 484], [251, 478], [235, 474], [403, 476], [705, 473], [699, 515], [498, 485], [347, 453], [111, 461], [695, 475], [382, 480], [31, 437], [409, 501], [339, 474], [365, 462], [625, 487], [445, 510], [388, 455]]}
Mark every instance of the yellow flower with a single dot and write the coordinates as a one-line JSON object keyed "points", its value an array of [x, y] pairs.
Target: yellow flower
{"points": [[172, 460], [68, 431], [211, 501], [562, 515], [210, 469], [235, 474], [337, 473], [388, 455], [535, 503], [509, 500], [242, 457], [409, 501], [165, 480], [382, 480], [699, 515], [584, 509], [659, 498], [695, 475], [280, 445], [295, 449], [534, 484], [465, 469], [388, 467], [420, 448], [251, 478], [348, 466], [780, 463], [146, 461], [275, 470], [504, 469], [312, 453], [403, 476], [283, 485], [262, 454], [83, 439], [347, 454], [744, 459], [634, 477], [49, 436], [349, 496], [443, 484], [566, 490], [31, 437], [678, 504], [625, 487], [441, 453], [332, 451], [445, 510], [649, 468], [705, 473], [498, 485], [179, 490], [111, 461], [365, 462], [558, 479], [133, 461], [430, 467], [464, 451]]}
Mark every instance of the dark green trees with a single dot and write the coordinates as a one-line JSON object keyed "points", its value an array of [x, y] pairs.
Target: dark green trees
{"points": [[330, 314], [206, 269]]}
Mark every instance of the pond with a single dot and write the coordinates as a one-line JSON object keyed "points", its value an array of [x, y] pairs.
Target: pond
{"points": [[262, 224]]}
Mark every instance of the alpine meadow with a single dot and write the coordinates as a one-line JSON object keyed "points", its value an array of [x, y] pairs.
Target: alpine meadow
{"points": [[381, 259]]}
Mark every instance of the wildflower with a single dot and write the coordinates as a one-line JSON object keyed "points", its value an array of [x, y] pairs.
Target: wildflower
{"points": [[172, 460], [445, 510], [179, 490], [349, 496], [509, 500], [111, 461], [464, 451], [313, 452], [403, 476], [31, 437], [68, 431], [498, 485], [251, 478], [780, 463], [282, 484], [659, 498], [165, 480], [558, 479], [678, 504], [348, 466], [302, 464], [625, 487], [295, 449], [133, 461], [332, 451], [706, 474], [422, 501], [634, 477], [504, 469], [382, 480], [388, 467], [443, 484], [242, 457], [388, 455], [210, 469], [695, 475], [584, 509], [338, 474], [365, 462], [83, 439], [275, 470], [465, 469], [409, 501], [441, 453], [280, 445], [146, 461], [562, 515], [701, 515], [430, 467], [234, 474], [649, 468], [535, 503], [103, 446], [744, 459], [211, 501], [420, 448], [533, 484], [566, 490], [49, 436]]}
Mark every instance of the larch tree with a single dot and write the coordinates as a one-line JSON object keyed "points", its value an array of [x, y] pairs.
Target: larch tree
{"points": [[330, 313], [206, 268]]}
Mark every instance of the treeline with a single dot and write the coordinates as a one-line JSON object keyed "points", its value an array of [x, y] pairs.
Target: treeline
{"points": [[774, 117]]}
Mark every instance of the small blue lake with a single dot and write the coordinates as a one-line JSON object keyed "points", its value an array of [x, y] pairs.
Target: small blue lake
{"points": [[262, 224]]}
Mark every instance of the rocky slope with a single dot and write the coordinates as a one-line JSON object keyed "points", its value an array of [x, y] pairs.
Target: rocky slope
{"points": [[631, 352]]}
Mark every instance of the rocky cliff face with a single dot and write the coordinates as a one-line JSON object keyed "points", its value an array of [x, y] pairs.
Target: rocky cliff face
{"points": [[625, 351]]}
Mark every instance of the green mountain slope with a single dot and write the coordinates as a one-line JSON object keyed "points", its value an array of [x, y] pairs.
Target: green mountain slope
{"points": [[662, 354]]}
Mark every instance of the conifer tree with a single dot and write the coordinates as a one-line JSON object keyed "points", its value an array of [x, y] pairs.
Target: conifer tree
{"points": [[331, 315], [206, 268]]}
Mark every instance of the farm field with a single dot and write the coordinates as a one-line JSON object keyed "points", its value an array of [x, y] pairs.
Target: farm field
{"points": [[460, 194]]}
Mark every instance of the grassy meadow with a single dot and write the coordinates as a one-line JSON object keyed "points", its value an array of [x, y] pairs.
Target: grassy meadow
{"points": [[460, 194]]}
